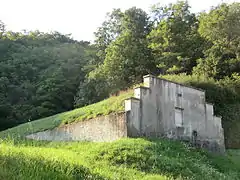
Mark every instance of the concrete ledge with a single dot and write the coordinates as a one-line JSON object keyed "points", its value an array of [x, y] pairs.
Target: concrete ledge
{"points": [[143, 87], [209, 103], [138, 92], [132, 98], [218, 116], [152, 76]]}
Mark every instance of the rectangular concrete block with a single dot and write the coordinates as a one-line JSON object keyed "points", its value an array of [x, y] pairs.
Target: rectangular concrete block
{"points": [[160, 108], [158, 111]]}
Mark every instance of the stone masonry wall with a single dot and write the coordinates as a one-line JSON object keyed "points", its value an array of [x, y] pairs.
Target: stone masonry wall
{"points": [[100, 129]]}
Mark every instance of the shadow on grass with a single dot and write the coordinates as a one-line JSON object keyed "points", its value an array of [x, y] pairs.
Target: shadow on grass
{"points": [[165, 157], [152, 156], [21, 168]]}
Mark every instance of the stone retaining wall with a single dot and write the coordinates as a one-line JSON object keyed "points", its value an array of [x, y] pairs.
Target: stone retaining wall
{"points": [[99, 129]]}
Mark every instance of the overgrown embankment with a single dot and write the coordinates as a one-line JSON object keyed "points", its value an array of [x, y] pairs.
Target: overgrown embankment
{"points": [[123, 159], [105, 107], [224, 94], [127, 158]]}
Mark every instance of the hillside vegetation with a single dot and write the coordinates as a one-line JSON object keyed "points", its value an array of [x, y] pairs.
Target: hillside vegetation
{"points": [[50, 79], [105, 107], [123, 159], [43, 74], [224, 94]]}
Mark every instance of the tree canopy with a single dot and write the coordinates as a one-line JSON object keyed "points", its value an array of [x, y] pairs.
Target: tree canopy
{"points": [[42, 74], [39, 75]]}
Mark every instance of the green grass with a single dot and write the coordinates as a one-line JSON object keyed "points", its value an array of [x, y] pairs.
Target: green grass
{"points": [[123, 159], [126, 159], [234, 155], [105, 107]]}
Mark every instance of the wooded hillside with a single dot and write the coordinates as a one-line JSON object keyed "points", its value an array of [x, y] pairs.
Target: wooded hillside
{"points": [[42, 74]]}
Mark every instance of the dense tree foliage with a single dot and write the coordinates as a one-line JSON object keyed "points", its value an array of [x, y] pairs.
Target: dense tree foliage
{"points": [[221, 29], [42, 74], [175, 40], [39, 75], [128, 57]]}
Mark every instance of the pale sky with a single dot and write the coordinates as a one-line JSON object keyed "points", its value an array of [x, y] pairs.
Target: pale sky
{"points": [[78, 17]]}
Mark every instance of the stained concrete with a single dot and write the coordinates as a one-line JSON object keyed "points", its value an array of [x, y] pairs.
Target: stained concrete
{"points": [[164, 108], [160, 108]]}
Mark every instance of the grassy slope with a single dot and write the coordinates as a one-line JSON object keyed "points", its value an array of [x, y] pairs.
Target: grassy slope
{"points": [[124, 159], [112, 104]]}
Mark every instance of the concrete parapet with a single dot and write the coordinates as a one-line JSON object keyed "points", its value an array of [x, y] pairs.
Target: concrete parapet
{"points": [[175, 111], [160, 108]]}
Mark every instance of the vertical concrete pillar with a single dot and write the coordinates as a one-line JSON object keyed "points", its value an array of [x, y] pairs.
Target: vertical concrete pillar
{"points": [[133, 117], [149, 80]]}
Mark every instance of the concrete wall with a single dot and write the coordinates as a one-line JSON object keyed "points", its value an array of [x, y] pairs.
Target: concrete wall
{"points": [[169, 109], [103, 128], [160, 108], [132, 107]]}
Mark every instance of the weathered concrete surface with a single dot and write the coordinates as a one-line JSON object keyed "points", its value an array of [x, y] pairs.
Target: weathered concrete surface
{"points": [[100, 129], [165, 108], [160, 108], [133, 112]]}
